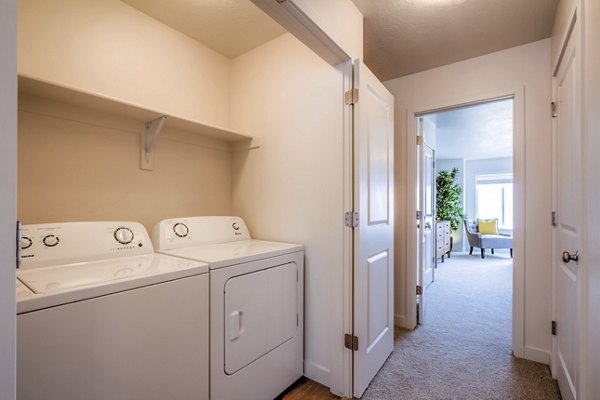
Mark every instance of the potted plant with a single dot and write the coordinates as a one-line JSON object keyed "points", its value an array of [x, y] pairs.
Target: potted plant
{"points": [[448, 198]]}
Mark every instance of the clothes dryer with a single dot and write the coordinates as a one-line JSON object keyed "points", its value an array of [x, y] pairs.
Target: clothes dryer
{"points": [[101, 316], [256, 304]]}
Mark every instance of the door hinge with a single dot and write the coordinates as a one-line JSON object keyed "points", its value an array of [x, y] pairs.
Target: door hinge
{"points": [[351, 219], [351, 342], [351, 97], [419, 215], [19, 239], [554, 218], [420, 140], [554, 329], [554, 109], [419, 290]]}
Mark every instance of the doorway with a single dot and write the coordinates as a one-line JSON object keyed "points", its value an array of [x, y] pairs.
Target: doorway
{"points": [[478, 143]]}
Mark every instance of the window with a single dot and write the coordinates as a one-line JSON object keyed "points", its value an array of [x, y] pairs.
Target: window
{"points": [[495, 198]]}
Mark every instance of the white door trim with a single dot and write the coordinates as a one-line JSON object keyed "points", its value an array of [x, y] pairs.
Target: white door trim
{"points": [[341, 380], [519, 183], [8, 196]]}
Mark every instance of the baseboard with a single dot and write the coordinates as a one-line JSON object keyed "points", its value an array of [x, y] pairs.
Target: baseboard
{"points": [[317, 373], [400, 321], [538, 355]]}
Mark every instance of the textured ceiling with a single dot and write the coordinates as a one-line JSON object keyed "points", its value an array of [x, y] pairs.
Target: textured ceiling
{"points": [[230, 27], [475, 132], [402, 37]]}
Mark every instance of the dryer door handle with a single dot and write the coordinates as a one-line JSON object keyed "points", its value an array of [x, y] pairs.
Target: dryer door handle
{"points": [[235, 325]]}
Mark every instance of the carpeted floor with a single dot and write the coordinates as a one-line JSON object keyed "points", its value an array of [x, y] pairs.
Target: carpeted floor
{"points": [[462, 351]]}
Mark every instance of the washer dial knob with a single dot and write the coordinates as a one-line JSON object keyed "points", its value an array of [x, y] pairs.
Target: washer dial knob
{"points": [[181, 229], [50, 240], [25, 243], [123, 235]]}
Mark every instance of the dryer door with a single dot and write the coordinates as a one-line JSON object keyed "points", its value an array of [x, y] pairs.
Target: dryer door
{"points": [[261, 313]]}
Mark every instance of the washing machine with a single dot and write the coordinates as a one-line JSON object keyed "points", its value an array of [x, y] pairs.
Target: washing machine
{"points": [[256, 304], [101, 316]]}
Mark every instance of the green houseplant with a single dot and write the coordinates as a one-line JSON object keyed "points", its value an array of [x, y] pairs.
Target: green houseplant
{"points": [[448, 198]]}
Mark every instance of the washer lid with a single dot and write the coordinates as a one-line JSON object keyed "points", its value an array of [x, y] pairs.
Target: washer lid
{"points": [[23, 291], [72, 282], [226, 254]]}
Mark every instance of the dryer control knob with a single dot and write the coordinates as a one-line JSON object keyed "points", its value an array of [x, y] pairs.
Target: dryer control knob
{"points": [[25, 243], [50, 240], [181, 229], [123, 235]]}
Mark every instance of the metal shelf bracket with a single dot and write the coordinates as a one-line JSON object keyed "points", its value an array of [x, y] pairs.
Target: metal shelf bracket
{"points": [[151, 132]]}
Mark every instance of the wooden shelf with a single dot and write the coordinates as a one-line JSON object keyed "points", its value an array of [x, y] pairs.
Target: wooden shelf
{"points": [[114, 106]]}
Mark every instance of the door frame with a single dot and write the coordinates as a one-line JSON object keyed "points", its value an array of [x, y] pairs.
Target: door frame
{"points": [[421, 151], [8, 197], [519, 185]]}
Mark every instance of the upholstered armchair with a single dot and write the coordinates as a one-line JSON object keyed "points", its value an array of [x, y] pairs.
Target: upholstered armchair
{"points": [[483, 242]]}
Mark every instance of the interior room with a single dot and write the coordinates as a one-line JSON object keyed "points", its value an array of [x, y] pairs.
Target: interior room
{"points": [[477, 140], [226, 199]]}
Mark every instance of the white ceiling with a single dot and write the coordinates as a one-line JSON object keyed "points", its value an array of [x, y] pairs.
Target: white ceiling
{"points": [[475, 132], [402, 37], [230, 27]]}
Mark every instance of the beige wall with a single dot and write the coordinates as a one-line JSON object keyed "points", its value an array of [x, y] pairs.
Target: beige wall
{"points": [[526, 67], [77, 164], [110, 48], [340, 19], [291, 188], [8, 183]]}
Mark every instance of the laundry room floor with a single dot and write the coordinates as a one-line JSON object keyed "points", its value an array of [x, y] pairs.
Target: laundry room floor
{"points": [[309, 390]]}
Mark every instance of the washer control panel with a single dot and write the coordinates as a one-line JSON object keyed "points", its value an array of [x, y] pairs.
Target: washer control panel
{"points": [[62, 243]]}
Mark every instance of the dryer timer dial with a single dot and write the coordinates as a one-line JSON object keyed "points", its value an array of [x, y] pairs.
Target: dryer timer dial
{"points": [[181, 229]]}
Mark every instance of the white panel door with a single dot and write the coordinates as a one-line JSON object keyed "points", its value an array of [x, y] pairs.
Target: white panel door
{"points": [[568, 204], [374, 237], [426, 226]]}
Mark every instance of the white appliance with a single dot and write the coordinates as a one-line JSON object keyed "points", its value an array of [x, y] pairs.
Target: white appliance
{"points": [[101, 316], [256, 304]]}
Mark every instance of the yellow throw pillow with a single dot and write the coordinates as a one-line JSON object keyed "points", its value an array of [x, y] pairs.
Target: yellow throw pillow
{"points": [[488, 226]]}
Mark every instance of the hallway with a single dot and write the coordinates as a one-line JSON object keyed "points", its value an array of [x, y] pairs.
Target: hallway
{"points": [[463, 348]]}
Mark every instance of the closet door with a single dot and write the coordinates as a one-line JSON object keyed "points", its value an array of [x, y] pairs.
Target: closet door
{"points": [[374, 236]]}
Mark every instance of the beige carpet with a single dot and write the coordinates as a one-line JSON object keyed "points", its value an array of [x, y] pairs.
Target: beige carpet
{"points": [[462, 351]]}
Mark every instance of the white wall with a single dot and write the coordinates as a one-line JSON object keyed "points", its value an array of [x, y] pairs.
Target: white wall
{"points": [[448, 164], [291, 189], [524, 68], [591, 126], [97, 45], [8, 177], [479, 167]]}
